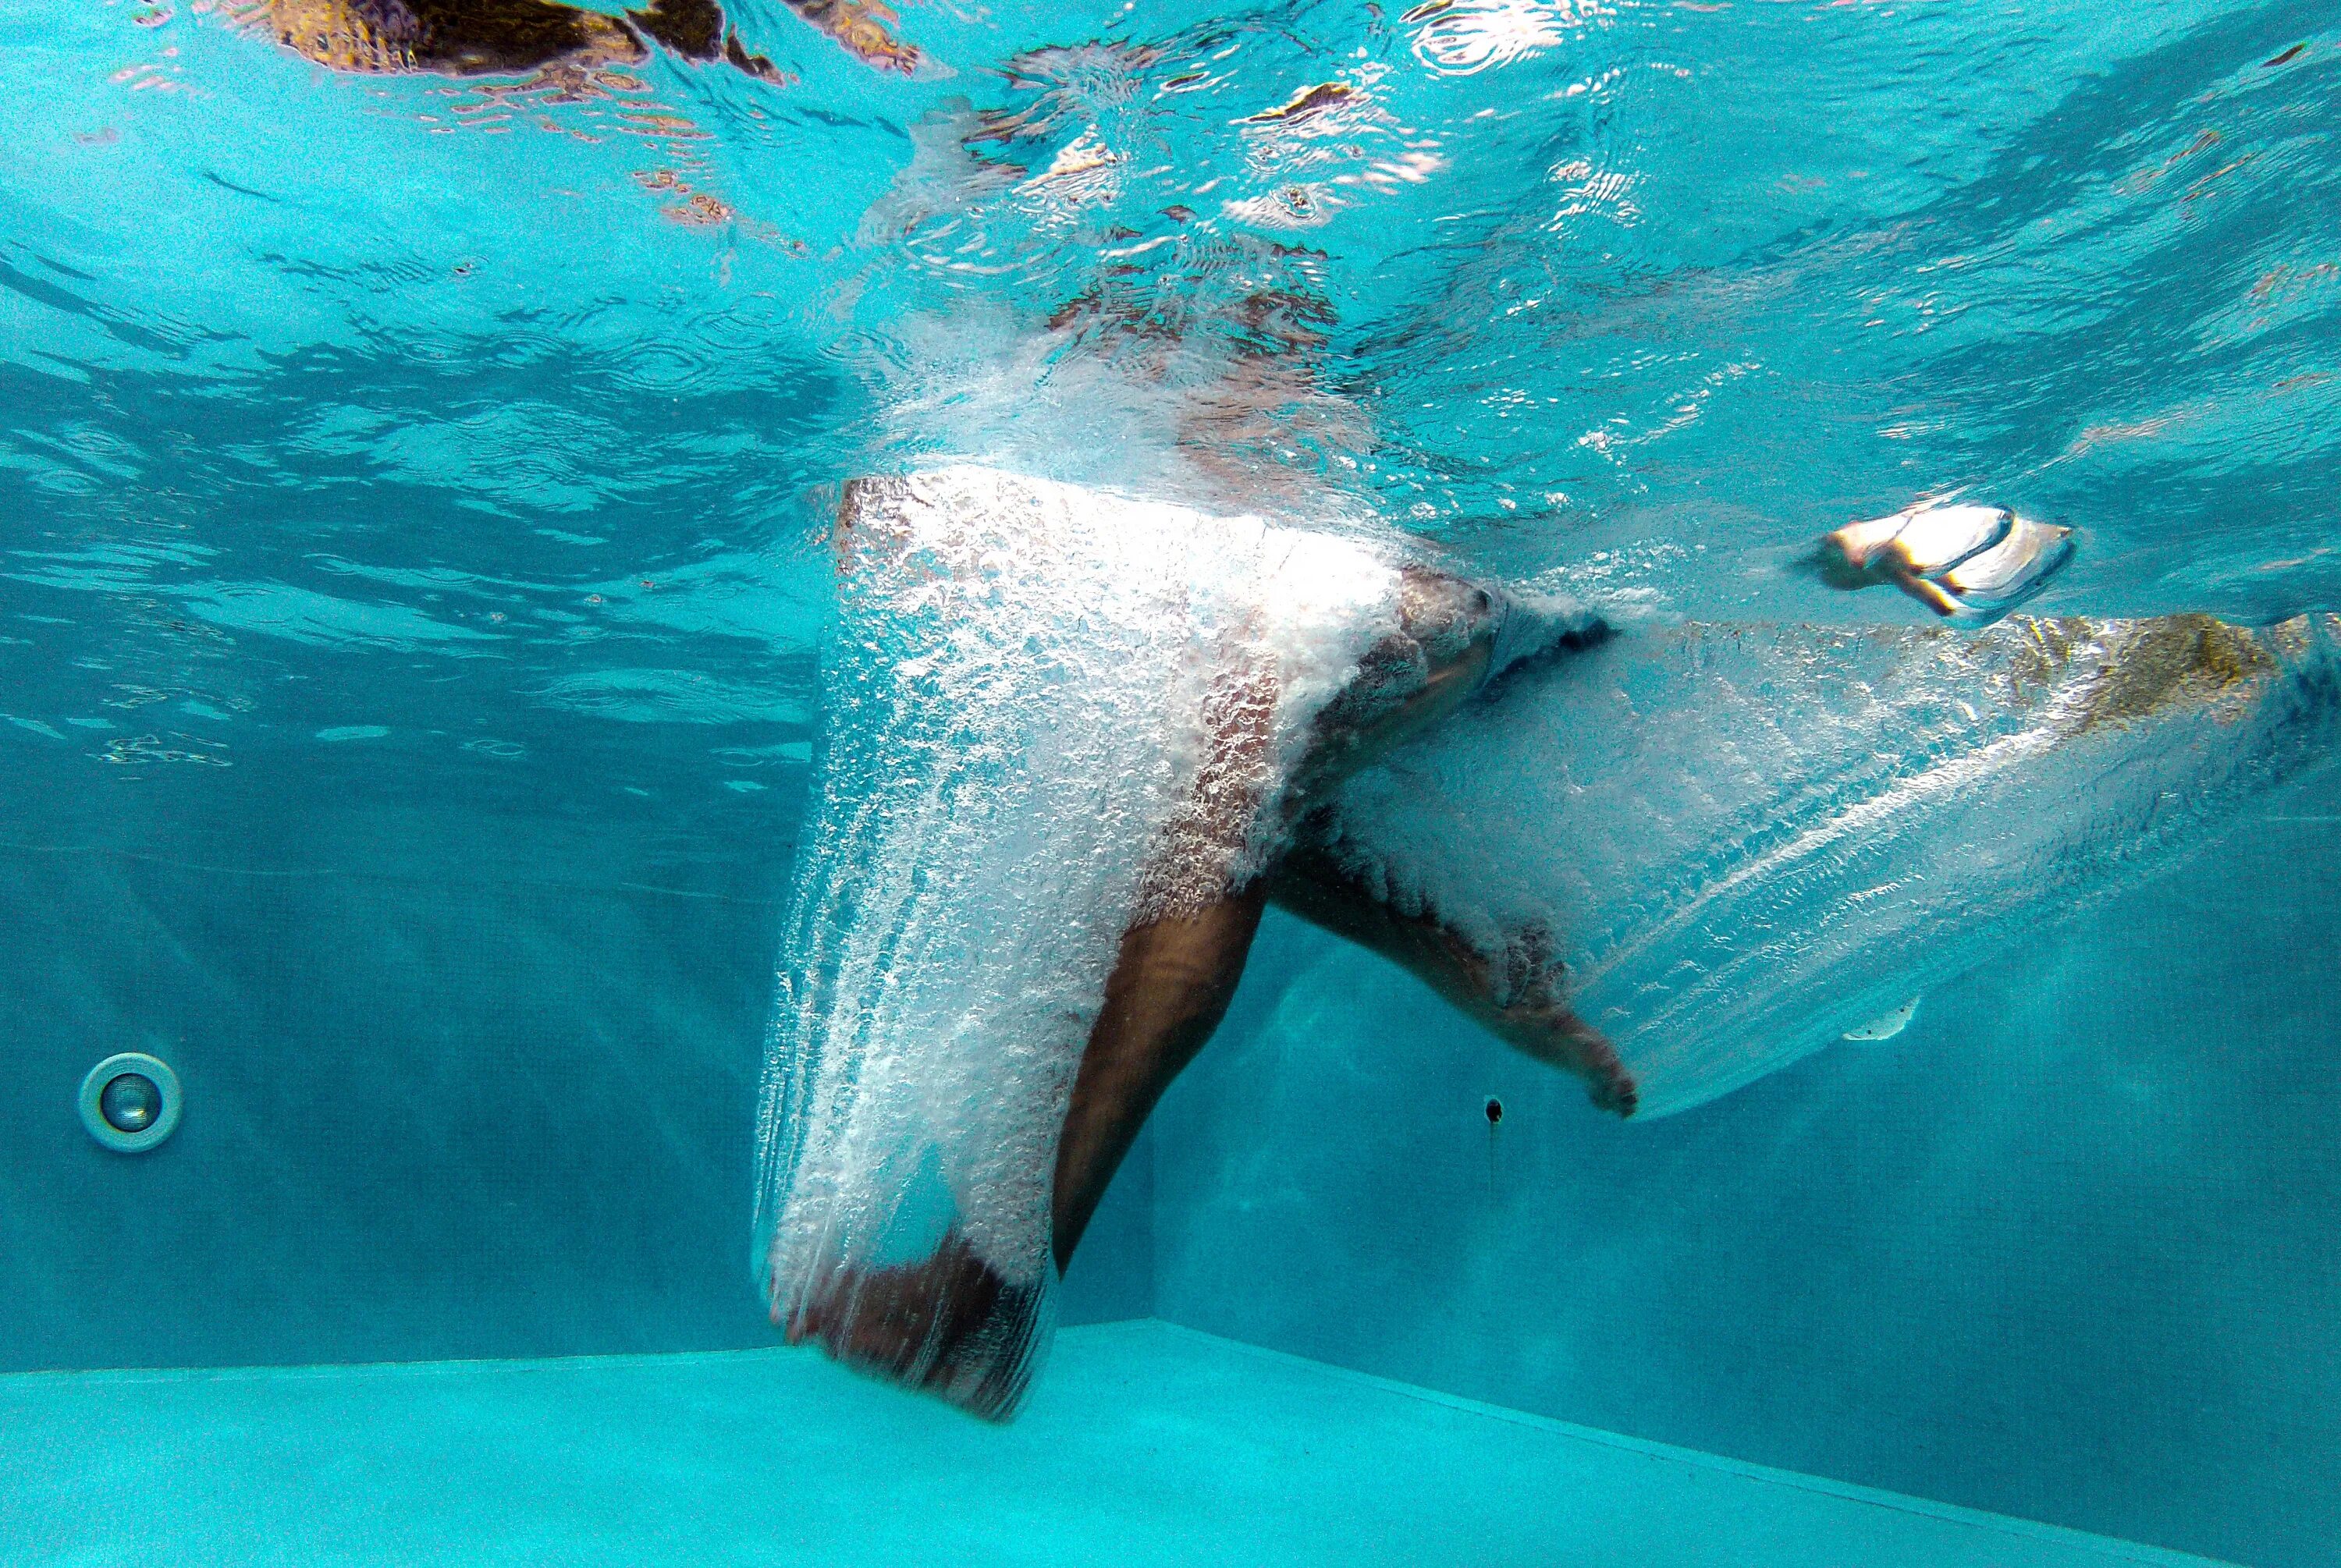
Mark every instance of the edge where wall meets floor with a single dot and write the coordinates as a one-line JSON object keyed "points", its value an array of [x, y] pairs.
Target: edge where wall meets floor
{"points": [[1146, 1444]]}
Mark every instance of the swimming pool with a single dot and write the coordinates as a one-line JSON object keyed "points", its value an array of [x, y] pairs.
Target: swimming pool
{"points": [[420, 636]]}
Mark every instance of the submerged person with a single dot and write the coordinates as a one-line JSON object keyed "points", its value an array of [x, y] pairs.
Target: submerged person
{"points": [[1225, 677], [1078, 744], [937, 1321]]}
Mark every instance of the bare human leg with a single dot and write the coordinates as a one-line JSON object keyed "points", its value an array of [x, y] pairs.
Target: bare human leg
{"points": [[1517, 997], [1179, 965], [925, 1324], [1169, 989], [948, 1324], [1174, 978]]}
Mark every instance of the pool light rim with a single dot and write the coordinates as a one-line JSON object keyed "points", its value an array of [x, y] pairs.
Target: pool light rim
{"points": [[166, 1115]]}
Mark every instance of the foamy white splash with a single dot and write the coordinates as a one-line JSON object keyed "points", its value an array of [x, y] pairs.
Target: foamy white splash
{"points": [[1740, 841], [1018, 705], [1745, 841]]}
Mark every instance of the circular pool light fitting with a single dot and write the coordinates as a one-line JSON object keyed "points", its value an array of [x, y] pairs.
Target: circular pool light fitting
{"points": [[130, 1102]]}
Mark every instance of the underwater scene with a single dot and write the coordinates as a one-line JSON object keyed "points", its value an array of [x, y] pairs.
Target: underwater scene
{"points": [[1500, 782]]}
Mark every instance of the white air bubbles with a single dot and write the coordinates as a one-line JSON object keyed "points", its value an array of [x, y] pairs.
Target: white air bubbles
{"points": [[1885, 1026], [1020, 705]]}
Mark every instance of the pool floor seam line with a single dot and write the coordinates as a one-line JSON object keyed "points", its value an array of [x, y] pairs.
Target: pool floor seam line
{"points": [[2108, 1547], [1799, 1480]]}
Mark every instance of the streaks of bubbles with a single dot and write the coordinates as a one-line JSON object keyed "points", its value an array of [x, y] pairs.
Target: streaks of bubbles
{"points": [[144, 749]]}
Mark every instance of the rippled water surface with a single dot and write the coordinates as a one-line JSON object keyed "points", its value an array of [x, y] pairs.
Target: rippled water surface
{"points": [[450, 382]]}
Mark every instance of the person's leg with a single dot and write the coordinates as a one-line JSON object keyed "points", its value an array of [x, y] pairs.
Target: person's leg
{"points": [[1516, 996], [1178, 963], [948, 1324], [1174, 977], [1169, 990]]}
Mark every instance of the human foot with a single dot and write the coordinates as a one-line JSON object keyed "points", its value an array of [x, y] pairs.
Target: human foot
{"points": [[949, 1325]]}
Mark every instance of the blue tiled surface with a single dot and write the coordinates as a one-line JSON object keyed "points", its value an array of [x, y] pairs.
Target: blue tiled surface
{"points": [[1146, 1444]]}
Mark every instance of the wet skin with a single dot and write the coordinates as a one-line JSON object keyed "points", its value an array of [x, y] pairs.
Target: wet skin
{"points": [[937, 1325], [1174, 978]]}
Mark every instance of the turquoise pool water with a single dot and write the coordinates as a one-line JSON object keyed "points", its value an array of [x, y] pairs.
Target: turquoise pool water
{"points": [[1152, 1444], [420, 428]]}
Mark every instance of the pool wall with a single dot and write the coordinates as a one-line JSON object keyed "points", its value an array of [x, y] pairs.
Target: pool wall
{"points": [[2062, 1250], [467, 1079], [459, 1083]]}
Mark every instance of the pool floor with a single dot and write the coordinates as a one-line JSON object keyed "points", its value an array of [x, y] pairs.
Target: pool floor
{"points": [[1144, 1444]]}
